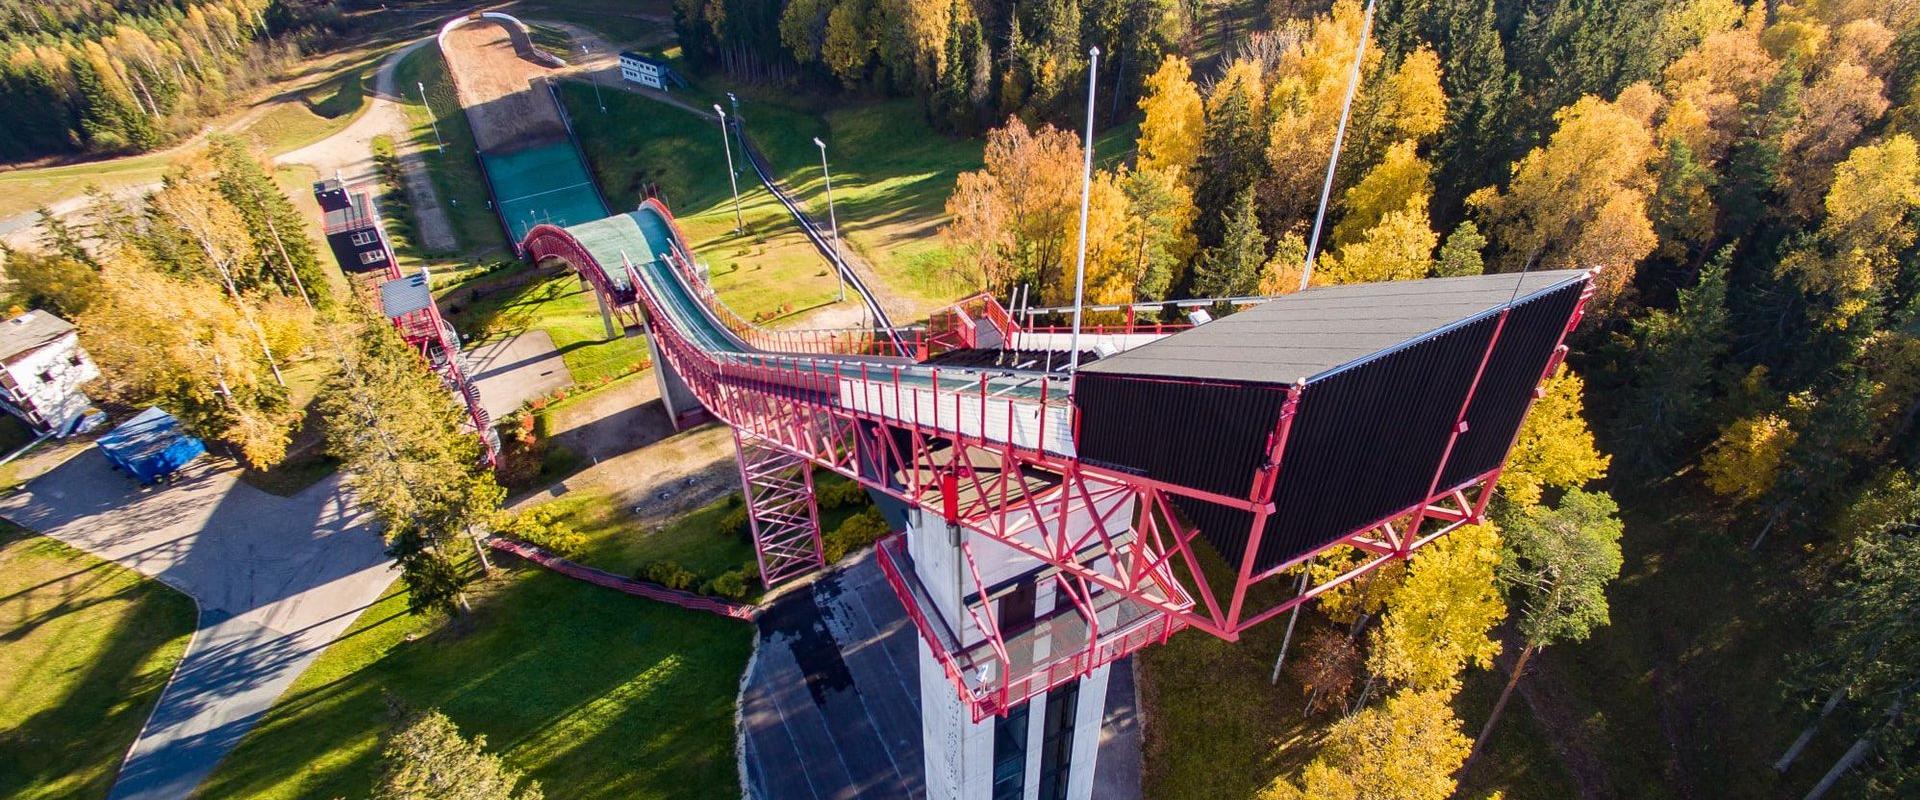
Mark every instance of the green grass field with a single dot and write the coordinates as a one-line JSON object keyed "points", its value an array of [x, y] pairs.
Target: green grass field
{"points": [[594, 693], [85, 648], [892, 175], [617, 542], [452, 166]]}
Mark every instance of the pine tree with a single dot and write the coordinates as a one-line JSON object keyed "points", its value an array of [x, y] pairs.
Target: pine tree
{"points": [[1460, 255], [397, 432], [283, 253], [1752, 168], [1230, 160], [1233, 268], [1669, 385]]}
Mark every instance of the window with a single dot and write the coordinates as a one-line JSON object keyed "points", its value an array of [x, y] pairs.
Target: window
{"points": [[373, 257], [1056, 741], [74, 360], [363, 238], [1010, 754], [46, 377]]}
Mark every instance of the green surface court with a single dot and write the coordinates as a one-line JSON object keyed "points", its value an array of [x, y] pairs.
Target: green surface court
{"points": [[542, 184]]}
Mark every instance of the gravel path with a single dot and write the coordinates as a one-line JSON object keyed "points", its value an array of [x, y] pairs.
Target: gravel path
{"points": [[349, 153], [276, 580]]}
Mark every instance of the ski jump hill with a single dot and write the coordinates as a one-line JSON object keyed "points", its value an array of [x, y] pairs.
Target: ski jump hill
{"points": [[534, 169]]}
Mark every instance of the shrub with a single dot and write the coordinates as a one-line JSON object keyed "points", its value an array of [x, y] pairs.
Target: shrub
{"points": [[734, 522], [540, 526], [669, 574], [860, 530], [731, 584], [840, 494]]}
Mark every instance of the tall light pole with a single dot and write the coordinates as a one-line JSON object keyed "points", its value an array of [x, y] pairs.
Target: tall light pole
{"points": [[437, 144], [738, 225], [1086, 196], [831, 219], [595, 80]]}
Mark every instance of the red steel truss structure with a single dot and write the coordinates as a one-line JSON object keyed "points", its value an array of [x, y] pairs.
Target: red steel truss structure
{"points": [[1001, 455]]}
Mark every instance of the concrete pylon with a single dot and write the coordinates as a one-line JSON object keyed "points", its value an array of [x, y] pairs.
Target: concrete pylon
{"points": [[1043, 749]]}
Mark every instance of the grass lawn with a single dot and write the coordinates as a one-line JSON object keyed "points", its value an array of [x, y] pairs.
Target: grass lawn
{"points": [[892, 175], [87, 648], [622, 22], [512, 301], [1681, 695], [452, 166], [617, 542], [594, 693]]}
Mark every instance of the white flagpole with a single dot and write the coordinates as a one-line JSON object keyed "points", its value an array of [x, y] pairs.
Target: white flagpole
{"points": [[1339, 136], [1086, 197]]}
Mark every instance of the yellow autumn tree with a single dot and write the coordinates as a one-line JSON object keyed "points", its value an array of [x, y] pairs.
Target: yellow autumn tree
{"points": [[1580, 200], [1441, 617], [1720, 77], [1870, 220], [1365, 595], [1555, 448], [1404, 749], [1399, 248], [1175, 118], [1403, 104], [1111, 275], [1400, 177], [1308, 86], [1015, 219], [1745, 460]]}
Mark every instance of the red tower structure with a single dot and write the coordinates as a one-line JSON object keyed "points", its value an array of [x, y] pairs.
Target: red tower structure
{"points": [[1053, 524]]}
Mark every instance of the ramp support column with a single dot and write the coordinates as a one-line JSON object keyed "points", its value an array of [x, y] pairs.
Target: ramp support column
{"points": [[606, 313], [780, 508]]}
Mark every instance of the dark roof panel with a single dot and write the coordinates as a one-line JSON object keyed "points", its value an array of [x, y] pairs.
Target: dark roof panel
{"points": [[1306, 335]]}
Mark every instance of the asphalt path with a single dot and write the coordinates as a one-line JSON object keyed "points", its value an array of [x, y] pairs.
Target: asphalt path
{"points": [[276, 579]]}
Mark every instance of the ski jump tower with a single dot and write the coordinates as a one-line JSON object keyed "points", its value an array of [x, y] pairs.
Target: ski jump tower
{"points": [[1050, 525]]}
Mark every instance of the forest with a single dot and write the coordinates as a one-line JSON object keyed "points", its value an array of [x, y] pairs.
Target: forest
{"points": [[1745, 179], [110, 77]]}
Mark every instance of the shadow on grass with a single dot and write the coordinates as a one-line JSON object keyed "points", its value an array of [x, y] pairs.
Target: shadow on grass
{"points": [[86, 715], [594, 693]]}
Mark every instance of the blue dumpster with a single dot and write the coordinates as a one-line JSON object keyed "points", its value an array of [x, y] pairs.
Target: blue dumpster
{"points": [[150, 446]]}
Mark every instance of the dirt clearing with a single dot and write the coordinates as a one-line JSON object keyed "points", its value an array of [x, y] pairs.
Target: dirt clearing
{"points": [[493, 74]]}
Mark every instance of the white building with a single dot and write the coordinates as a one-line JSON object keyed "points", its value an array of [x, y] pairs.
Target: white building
{"points": [[41, 370], [638, 69]]}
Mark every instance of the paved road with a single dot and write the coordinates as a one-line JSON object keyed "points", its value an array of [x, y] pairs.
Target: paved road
{"points": [[514, 369], [830, 709], [276, 579], [349, 153]]}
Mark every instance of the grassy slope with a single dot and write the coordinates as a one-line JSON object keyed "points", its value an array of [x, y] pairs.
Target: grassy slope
{"points": [[85, 648], [593, 693], [616, 542], [453, 168]]}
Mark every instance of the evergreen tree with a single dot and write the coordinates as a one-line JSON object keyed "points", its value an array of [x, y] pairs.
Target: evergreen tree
{"points": [[1231, 160], [283, 254], [397, 432], [1460, 255], [1753, 167], [1233, 268], [1675, 357]]}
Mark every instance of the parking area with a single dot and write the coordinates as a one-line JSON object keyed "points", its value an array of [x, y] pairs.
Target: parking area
{"points": [[276, 580]]}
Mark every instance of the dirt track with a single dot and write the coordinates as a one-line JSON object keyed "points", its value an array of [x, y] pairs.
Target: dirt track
{"points": [[493, 81]]}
